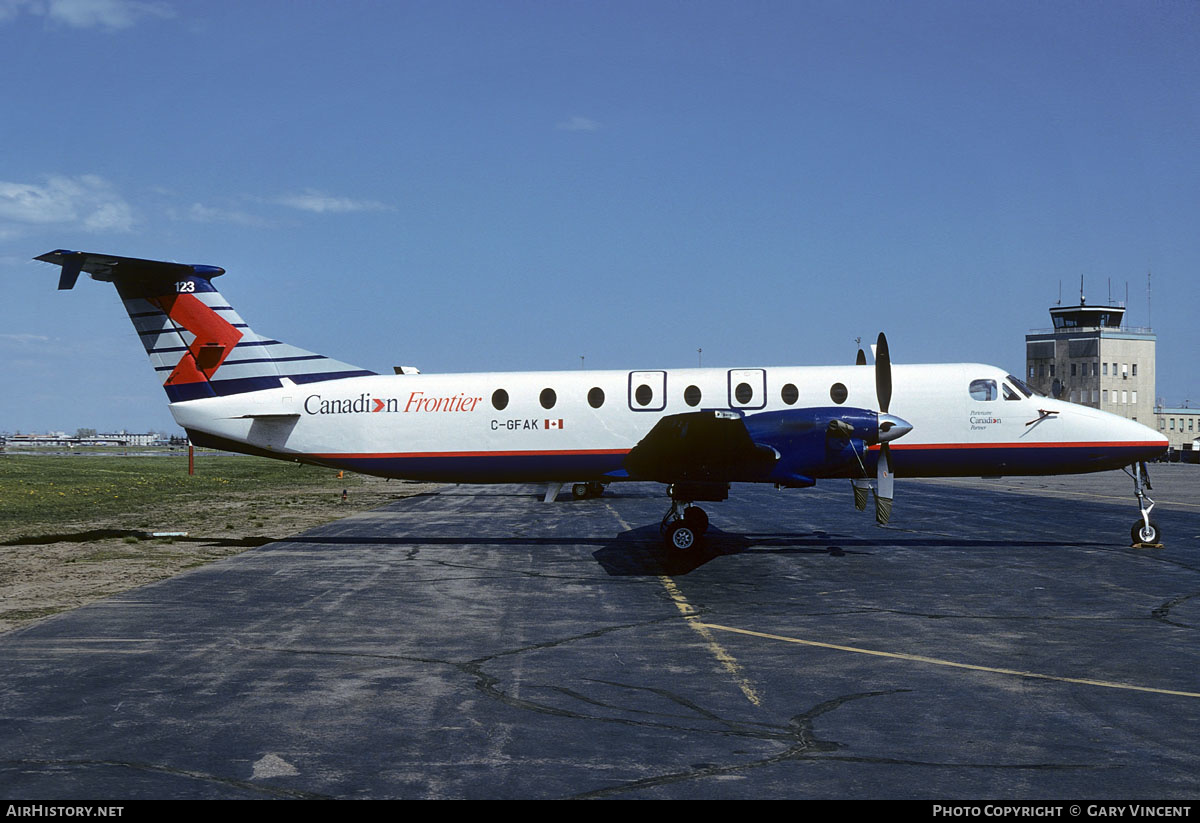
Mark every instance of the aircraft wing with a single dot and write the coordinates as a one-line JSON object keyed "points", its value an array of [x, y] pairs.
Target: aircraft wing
{"points": [[701, 446]]}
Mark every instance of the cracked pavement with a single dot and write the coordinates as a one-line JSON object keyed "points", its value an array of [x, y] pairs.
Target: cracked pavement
{"points": [[997, 640]]}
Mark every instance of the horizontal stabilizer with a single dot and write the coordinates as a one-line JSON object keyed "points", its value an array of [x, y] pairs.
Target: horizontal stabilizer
{"points": [[109, 268]]}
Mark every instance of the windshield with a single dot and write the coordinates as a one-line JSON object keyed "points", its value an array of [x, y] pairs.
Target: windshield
{"points": [[1024, 387]]}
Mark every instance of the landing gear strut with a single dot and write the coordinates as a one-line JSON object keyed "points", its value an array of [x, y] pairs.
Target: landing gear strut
{"points": [[1145, 532]]}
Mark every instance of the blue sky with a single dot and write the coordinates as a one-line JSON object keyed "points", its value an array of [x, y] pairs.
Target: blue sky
{"points": [[510, 185]]}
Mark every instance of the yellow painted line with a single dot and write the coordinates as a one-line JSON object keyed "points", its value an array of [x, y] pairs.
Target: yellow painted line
{"points": [[915, 658], [692, 619], [727, 661]]}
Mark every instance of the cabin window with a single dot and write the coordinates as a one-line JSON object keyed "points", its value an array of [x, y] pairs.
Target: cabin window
{"points": [[691, 395], [838, 393], [596, 397], [548, 398], [499, 399], [983, 390], [744, 393], [789, 394]]}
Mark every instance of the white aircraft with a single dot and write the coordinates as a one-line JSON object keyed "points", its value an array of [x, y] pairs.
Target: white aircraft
{"points": [[696, 430]]}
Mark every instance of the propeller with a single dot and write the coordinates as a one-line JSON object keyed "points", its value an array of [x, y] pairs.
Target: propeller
{"points": [[884, 480], [890, 427]]}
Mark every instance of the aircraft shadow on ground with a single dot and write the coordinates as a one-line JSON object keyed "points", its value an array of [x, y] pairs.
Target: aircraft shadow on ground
{"points": [[641, 552]]}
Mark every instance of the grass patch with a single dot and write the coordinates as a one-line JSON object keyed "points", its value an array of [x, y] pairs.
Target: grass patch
{"points": [[40, 492]]}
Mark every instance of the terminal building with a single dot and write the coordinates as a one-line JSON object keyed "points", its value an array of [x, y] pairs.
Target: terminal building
{"points": [[1181, 426]]}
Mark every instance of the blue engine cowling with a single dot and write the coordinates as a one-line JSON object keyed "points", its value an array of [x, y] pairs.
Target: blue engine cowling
{"points": [[816, 442]]}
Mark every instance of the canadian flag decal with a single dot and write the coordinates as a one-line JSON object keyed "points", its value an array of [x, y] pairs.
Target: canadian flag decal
{"points": [[554, 424]]}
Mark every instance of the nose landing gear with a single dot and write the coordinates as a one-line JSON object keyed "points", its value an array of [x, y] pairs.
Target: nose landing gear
{"points": [[1146, 533]]}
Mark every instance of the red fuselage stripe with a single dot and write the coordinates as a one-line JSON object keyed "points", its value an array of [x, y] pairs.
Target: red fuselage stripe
{"points": [[576, 452], [1128, 444], [550, 452]]}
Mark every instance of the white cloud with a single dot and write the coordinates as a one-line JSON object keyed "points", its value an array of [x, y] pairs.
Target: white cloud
{"points": [[200, 213], [87, 14], [88, 202], [319, 203], [578, 123], [23, 339]]}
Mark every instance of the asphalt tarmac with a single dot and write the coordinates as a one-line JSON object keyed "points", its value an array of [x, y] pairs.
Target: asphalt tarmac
{"points": [[999, 640]]}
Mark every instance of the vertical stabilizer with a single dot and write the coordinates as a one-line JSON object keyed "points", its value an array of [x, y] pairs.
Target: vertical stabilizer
{"points": [[196, 341]]}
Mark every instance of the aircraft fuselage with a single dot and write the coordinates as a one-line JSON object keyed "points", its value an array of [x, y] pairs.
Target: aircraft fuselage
{"points": [[968, 420]]}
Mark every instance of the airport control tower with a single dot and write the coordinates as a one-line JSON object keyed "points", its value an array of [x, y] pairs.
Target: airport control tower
{"points": [[1089, 358]]}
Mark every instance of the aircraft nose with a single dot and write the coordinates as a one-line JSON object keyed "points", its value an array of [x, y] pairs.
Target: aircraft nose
{"points": [[891, 427]]}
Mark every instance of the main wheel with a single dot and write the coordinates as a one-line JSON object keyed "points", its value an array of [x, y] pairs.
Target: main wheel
{"points": [[595, 488], [697, 518], [580, 491], [681, 536], [1140, 534]]}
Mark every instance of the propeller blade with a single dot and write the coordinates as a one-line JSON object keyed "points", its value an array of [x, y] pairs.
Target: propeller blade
{"points": [[883, 485], [883, 374], [862, 490]]}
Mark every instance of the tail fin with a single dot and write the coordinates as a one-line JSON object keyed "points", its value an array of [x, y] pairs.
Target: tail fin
{"points": [[195, 339]]}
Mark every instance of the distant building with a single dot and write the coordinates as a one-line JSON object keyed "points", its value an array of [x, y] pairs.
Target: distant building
{"points": [[1180, 426], [1089, 358], [121, 438]]}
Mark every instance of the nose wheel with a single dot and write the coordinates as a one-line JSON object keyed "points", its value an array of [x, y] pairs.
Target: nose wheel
{"points": [[1145, 532]]}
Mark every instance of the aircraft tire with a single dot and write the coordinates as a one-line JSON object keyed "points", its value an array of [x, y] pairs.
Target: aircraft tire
{"points": [[580, 491], [1140, 534], [697, 518], [595, 489], [681, 536]]}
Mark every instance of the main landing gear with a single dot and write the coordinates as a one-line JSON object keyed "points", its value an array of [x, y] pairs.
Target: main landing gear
{"points": [[1145, 532], [684, 524], [583, 491]]}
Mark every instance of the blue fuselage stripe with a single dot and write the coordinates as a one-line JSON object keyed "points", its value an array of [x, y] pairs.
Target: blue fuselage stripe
{"points": [[933, 461]]}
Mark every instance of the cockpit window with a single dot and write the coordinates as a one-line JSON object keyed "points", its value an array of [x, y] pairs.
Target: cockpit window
{"points": [[983, 390], [1009, 392], [1022, 386]]}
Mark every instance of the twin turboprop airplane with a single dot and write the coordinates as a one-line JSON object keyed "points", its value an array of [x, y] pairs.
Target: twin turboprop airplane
{"points": [[695, 430]]}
